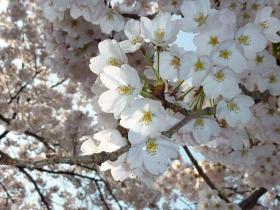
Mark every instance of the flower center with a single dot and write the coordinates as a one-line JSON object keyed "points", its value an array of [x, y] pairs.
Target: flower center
{"points": [[151, 146], [225, 54], [213, 41], [114, 62], [125, 90], [174, 3], [255, 6], [277, 130], [246, 16], [219, 76], [232, 6], [159, 34], [259, 59], [147, 118], [200, 18], [199, 66], [244, 40], [272, 79], [199, 123], [232, 106], [109, 15], [136, 40], [264, 25], [176, 62]]}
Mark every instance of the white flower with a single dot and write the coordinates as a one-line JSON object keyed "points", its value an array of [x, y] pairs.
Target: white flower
{"points": [[133, 33], [89, 145], [51, 12], [110, 141], [161, 30], [89, 9], [210, 37], [110, 55], [123, 84], [269, 25], [173, 64], [250, 39], [144, 116], [261, 62], [111, 21], [202, 129], [195, 14], [221, 81], [235, 111], [153, 154], [199, 68], [272, 81], [227, 54]]}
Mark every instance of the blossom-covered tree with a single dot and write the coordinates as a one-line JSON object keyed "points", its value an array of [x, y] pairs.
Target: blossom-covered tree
{"points": [[102, 108]]}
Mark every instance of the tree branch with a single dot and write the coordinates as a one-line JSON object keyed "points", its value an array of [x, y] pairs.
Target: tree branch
{"points": [[249, 202], [7, 193], [36, 187], [97, 158], [4, 134], [101, 196], [203, 175]]}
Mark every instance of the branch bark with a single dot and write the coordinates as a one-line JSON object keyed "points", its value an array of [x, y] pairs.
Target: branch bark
{"points": [[97, 158], [249, 202]]}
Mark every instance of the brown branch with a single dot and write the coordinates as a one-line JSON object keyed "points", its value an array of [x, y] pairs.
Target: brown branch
{"points": [[97, 158], [249, 202], [203, 175], [43, 199]]}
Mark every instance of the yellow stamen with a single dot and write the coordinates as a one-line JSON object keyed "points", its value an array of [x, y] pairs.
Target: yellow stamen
{"points": [[125, 90], [199, 65], [264, 25], [159, 34], [109, 15], [225, 54], [213, 41], [259, 59], [199, 123], [151, 146], [147, 118], [114, 62], [232, 106], [200, 18], [244, 40], [219, 76], [175, 62], [272, 79]]}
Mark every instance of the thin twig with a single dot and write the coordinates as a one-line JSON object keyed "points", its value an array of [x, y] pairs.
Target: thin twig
{"points": [[101, 196], [203, 175], [36, 187]]}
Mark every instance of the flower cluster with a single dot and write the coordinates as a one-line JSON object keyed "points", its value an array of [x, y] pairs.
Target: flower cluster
{"points": [[232, 74]]}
